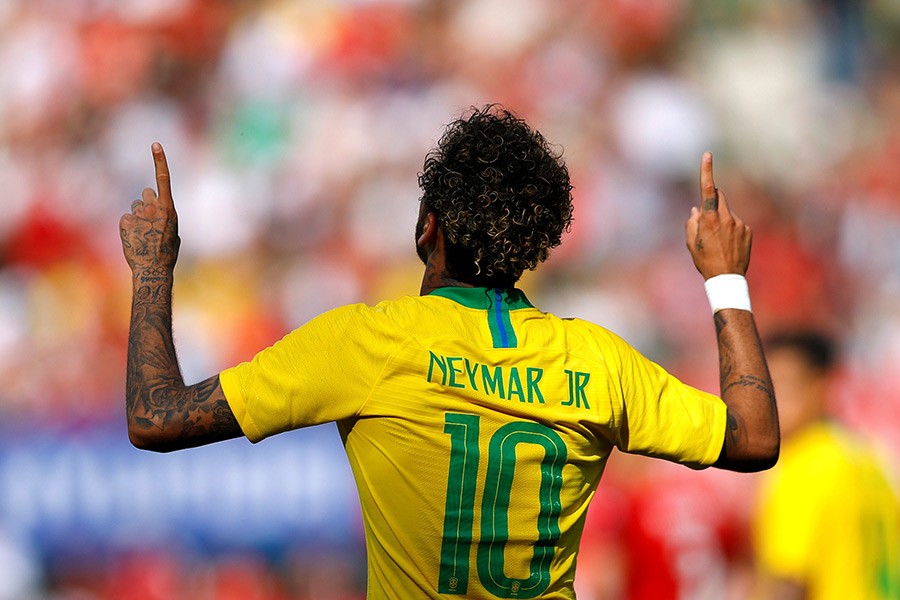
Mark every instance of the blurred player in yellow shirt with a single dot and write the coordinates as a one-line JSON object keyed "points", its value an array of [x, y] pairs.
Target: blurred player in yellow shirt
{"points": [[477, 426], [827, 521]]}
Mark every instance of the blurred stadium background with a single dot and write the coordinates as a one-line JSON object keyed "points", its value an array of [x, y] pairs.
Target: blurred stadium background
{"points": [[295, 131]]}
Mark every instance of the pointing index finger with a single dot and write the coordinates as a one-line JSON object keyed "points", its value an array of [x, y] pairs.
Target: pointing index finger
{"points": [[163, 181], [709, 195]]}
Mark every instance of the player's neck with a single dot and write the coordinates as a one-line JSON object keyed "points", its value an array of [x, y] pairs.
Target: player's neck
{"points": [[436, 275], [431, 251]]}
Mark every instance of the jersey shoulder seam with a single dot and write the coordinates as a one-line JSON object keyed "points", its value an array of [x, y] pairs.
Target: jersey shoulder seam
{"points": [[400, 346]]}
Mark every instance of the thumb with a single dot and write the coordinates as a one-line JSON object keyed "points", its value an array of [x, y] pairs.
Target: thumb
{"points": [[692, 227]]}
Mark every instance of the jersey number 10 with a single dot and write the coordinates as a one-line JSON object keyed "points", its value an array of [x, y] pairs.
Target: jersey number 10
{"points": [[459, 516]]}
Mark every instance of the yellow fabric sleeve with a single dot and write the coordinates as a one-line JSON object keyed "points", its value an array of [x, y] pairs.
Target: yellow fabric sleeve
{"points": [[666, 418], [292, 384]]}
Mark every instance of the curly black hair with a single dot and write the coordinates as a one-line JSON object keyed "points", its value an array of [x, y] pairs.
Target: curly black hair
{"points": [[500, 194]]}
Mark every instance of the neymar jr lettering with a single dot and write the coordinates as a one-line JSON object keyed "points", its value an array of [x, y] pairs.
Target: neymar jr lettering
{"points": [[507, 383]]}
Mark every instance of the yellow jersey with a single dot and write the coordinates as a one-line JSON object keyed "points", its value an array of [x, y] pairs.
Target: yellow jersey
{"points": [[477, 428], [828, 519]]}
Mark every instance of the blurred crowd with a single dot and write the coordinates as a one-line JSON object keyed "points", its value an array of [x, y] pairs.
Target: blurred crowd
{"points": [[295, 131]]}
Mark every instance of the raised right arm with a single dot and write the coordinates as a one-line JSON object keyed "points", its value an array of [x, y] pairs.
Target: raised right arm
{"points": [[719, 243], [162, 412]]}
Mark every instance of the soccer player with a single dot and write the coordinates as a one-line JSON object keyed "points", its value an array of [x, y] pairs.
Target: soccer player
{"points": [[827, 522], [476, 425]]}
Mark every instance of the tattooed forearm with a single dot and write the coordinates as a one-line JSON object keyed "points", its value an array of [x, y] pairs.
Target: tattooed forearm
{"points": [[163, 413], [732, 430], [751, 381], [751, 436], [720, 321], [155, 275]]}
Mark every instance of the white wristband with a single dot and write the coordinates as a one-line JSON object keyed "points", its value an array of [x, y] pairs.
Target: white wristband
{"points": [[727, 291]]}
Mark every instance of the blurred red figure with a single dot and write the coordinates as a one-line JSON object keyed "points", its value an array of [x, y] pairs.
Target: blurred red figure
{"points": [[672, 533], [145, 575]]}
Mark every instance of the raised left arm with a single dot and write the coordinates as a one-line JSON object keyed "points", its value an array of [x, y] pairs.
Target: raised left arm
{"points": [[719, 243], [163, 413]]}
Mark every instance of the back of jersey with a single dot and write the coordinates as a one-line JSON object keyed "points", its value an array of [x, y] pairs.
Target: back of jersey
{"points": [[483, 439]]}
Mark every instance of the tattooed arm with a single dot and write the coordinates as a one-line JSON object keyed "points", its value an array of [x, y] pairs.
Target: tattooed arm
{"points": [[719, 243], [163, 413], [752, 436]]}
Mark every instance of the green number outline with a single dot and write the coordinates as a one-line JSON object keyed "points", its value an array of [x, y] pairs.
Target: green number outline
{"points": [[495, 507], [459, 515], [453, 577]]}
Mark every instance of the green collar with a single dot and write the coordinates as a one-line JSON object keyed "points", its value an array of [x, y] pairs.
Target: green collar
{"points": [[484, 298]]}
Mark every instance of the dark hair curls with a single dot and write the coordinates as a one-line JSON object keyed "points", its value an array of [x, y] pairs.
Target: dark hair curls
{"points": [[816, 347], [500, 194]]}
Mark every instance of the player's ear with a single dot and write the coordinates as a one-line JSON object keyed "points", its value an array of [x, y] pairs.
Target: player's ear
{"points": [[427, 231]]}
